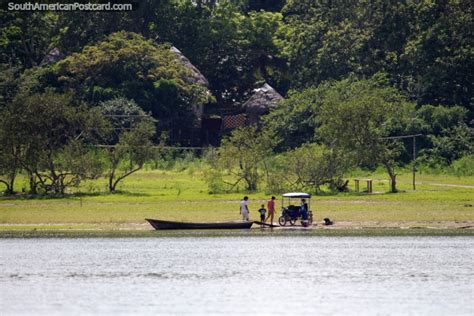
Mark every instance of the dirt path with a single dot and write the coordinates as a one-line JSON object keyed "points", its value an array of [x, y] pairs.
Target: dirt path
{"points": [[402, 224], [449, 185]]}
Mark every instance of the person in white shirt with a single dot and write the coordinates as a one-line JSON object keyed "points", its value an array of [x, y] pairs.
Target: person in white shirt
{"points": [[244, 209]]}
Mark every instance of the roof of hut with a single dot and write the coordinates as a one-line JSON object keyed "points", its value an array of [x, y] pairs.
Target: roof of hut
{"points": [[53, 56], [262, 100], [196, 76]]}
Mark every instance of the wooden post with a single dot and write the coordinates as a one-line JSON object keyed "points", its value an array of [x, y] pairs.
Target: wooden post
{"points": [[414, 151], [414, 158]]}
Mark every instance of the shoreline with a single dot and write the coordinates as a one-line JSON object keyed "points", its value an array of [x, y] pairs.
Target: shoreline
{"points": [[141, 230], [316, 225]]}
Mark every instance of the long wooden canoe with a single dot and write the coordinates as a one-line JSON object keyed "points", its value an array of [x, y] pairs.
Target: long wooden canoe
{"points": [[160, 224]]}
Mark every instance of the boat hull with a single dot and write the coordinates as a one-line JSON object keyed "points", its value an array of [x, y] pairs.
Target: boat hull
{"points": [[161, 225]]}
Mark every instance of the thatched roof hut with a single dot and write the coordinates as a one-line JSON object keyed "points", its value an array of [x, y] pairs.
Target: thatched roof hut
{"points": [[196, 76], [262, 101], [53, 56]]}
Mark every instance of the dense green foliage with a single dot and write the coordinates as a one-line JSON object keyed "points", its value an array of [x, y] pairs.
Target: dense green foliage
{"points": [[352, 74], [127, 65], [425, 46]]}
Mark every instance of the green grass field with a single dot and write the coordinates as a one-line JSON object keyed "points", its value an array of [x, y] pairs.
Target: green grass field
{"points": [[438, 201]]}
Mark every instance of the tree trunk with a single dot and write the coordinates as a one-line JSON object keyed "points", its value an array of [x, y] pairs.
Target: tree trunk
{"points": [[33, 183], [9, 190], [111, 181], [252, 186], [251, 177], [393, 177], [393, 182], [12, 183], [113, 184]]}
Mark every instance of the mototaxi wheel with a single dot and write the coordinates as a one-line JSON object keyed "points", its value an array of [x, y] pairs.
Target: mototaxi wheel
{"points": [[292, 221], [282, 220]]}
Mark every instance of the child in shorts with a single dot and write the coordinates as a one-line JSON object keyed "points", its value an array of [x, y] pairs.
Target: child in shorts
{"points": [[262, 212]]}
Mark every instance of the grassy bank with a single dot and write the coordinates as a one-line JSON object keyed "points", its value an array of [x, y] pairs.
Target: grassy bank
{"points": [[440, 200]]}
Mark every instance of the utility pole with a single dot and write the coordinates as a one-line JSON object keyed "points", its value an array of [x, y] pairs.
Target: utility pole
{"points": [[413, 153], [414, 162]]}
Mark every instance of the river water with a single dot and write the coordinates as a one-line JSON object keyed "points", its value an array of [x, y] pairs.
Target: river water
{"points": [[292, 275]]}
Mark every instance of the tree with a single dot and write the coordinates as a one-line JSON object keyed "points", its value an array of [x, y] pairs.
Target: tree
{"points": [[438, 53], [244, 155], [424, 47], [77, 29], [9, 164], [448, 134], [260, 43], [322, 39], [235, 50], [8, 83], [294, 120], [135, 145], [75, 162], [131, 140], [452, 144], [128, 65], [357, 116], [313, 165], [437, 119], [25, 37], [47, 135]]}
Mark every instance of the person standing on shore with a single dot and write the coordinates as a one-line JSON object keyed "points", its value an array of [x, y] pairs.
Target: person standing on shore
{"points": [[304, 209], [262, 212], [244, 208], [271, 209]]}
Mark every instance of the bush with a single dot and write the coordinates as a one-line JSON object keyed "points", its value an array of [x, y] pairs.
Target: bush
{"points": [[187, 162], [464, 166], [214, 180]]}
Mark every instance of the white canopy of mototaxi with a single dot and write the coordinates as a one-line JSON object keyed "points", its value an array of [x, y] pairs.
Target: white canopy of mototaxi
{"points": [[297, 195]]}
